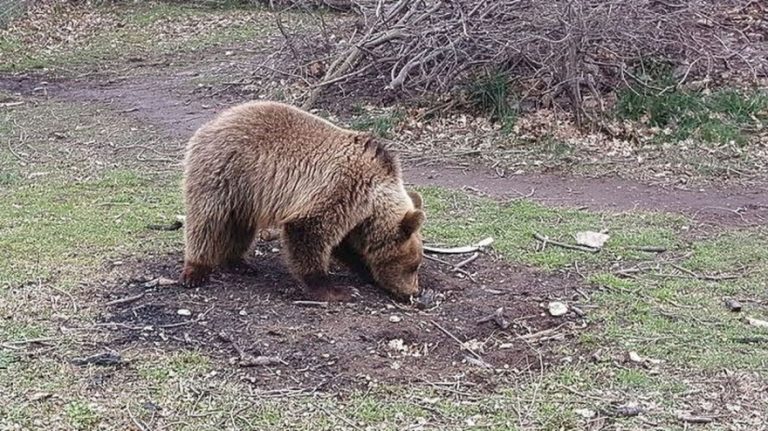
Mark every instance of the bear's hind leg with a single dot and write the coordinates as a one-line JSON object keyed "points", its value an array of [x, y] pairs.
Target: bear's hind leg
{"points": [[207, 247], [241, 236]]}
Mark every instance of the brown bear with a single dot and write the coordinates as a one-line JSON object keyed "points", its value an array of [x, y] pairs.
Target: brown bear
{"points": [[332, 192]]}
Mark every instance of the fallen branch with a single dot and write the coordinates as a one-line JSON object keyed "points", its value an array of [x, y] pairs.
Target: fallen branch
{"points": [[466, 261], [248, 360], [136, 421], [695, 419], [545, 240], [445, 262], [103, 359], [173, 226], [461, 250], [704, 276], [312, 303], [461, 344], [9, 104], [125, 300], [650, 248], [29, 341], [497, 317]]}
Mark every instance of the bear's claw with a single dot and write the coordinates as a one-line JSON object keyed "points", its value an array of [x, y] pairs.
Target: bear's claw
{"points": [[194, 275]]}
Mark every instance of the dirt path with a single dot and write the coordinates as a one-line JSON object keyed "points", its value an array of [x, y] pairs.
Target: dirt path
{"points": [[727, 206], [169, 102]]}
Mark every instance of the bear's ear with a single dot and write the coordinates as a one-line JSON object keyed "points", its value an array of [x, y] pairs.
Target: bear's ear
{"points": [[412, 222], [416, 198]]}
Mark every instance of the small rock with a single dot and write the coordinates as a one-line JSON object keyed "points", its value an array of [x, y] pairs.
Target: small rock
{"points": [[396, 345], [243, 313], [557, 308], [757, 322], [585, 413], [474, 345], [628, 410], [149, 405], [591, 239], [183, 312], [429, 299], [395, 318], [733, 305], [635, 357], [160, 281], [164, 281], [258, 361]]}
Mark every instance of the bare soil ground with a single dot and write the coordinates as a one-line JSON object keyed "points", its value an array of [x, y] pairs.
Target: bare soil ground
{"points": [[343, 345]]}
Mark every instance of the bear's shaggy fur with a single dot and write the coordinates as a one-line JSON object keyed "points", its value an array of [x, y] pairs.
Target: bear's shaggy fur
{"points": [[331, 191]]}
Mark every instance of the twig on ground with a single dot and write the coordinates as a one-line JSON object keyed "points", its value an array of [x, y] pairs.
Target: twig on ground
{"points": [[704, 276], [69, 295], [497, 317], [541, 335], [9, 104], [125, 300], [461, 344], [466, 261], [15, 154], [248, 360], [40, 340], [522, 196], [312, 303], [650, 248], [545, 240], [136, 421], [460, 250], [445, 262], [173, 226], [694, 419]]}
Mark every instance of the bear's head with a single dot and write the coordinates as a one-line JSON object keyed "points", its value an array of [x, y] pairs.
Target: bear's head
{"points": [[394, 263]]}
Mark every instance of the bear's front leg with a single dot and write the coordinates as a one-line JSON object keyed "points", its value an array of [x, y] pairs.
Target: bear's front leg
{"points": [[308, 247], [346, 254]]}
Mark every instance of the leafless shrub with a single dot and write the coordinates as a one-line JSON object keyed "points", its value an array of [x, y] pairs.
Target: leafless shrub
{"points": [[340, 5], [553, 51]]}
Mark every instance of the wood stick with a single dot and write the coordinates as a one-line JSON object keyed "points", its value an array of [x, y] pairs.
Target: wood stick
{"points": [[466, 261], [460, 250], [546, 240], [125, 300], [461, 344]]}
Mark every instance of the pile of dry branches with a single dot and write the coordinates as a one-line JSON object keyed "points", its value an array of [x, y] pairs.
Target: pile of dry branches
{"points": [[580, 49]]}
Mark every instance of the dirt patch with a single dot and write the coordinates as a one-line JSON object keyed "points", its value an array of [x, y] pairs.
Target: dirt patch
{"points": [[371, 339]]}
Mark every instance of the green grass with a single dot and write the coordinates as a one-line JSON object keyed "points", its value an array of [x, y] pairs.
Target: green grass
{"points": [[457, 219], [50, 229], [138, 30], [81, 415], [723, 116], [381, 125], [490, 94]]}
